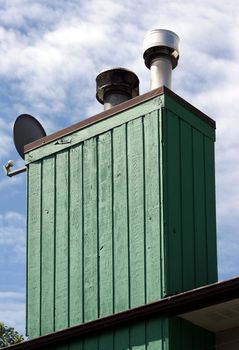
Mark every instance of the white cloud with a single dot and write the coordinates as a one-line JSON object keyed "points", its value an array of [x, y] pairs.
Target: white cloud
{"points": [[228, 247], [12, 237], [5, 138], [12, 310], [12, 295]]}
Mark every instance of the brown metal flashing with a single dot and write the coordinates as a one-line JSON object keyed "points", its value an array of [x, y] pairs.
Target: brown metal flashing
{"points": [[96, 118], [212, 294], [114, 110]]}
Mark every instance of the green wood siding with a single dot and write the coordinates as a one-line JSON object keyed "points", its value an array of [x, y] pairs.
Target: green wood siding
{"points": [[48, 245], [97, 247], [152, 209], [90, 234], [76, 236], [34, 246], [62, 241], [190, 205], [135, 162], [105, 225], [95, 129], [121, 273], [159, 333], [120, 214], [184, 335]]}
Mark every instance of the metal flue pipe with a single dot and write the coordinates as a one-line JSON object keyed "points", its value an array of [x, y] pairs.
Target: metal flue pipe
{"points": [[115, 86], [161, 56]]}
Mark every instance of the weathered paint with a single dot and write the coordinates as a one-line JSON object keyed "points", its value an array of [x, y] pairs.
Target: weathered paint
{"points": [[62, 241], [121, 216], [120, 252], [135, 165], [105, 224], [34, 246], [48, 246], [75, 236], [152, 205], [90, 234]]}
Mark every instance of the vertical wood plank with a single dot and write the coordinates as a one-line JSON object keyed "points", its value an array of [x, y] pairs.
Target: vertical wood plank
{"points": [[210, 210], [187, 205], [76, 344], [34, 251], [163, 199], [120, 219], [173, 202], [105, 252], [136, 212], [175, 334], [137, 336], [48, 245], [61, 347], [152, 208], [27, 245], [154, 334], [90, 230], [106, 341], [199, 209], [75, 234], [121, 338], [187, 335], [165, 333], [62, 246], [91, 343]]}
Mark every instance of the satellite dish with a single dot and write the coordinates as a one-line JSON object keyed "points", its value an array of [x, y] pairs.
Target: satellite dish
{"points": [[26, 129]]}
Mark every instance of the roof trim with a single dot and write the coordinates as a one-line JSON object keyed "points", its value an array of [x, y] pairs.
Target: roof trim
{"points": [[172, 305], [116, 109]]}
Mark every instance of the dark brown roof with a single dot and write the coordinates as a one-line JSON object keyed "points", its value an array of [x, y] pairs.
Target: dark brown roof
{"points": [[119, 108], [172, 305]]}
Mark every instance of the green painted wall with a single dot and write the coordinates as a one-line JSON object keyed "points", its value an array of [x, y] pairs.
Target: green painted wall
{"points": [[154, 334], [120, 214], [189, 211]]}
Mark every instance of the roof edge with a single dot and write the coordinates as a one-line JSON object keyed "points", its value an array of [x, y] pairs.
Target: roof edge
{"points": [[194, 299], [116, 109]]}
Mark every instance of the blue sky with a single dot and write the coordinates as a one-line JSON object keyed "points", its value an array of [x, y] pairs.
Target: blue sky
{"points": [[50, 54]]}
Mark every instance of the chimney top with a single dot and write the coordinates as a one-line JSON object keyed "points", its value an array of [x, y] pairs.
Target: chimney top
{"points": [[161, 56], [163, 42], [116, 85]]}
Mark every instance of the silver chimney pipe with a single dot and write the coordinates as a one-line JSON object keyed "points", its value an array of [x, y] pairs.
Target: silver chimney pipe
{"points": [[161, 56], [115, 86]]}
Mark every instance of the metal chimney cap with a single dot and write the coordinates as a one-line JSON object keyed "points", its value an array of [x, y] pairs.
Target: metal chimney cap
{"points": [[116, 80], [161, 42]]}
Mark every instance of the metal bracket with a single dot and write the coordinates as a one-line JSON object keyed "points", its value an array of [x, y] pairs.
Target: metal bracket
{"points": [[9, 173]]}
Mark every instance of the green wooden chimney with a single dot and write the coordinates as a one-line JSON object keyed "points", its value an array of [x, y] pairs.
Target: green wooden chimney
{"points": [[121, 213]]}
